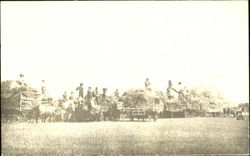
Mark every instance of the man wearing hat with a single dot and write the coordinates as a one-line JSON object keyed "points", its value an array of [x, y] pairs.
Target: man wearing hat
{"points": [[116, 93], [147, 84], [65, 97], [43, 88], [169, 91], [169, 84], [180, 90], [80, 90], [96, 91], [71, 97], [104, 94], [96, 95], [89, 93], [21, 79]]}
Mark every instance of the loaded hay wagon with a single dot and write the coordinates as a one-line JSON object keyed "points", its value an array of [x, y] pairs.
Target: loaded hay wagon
{"points": [[142, 104], [132, 113], [17, 101], [139, 113], [175, 108]]}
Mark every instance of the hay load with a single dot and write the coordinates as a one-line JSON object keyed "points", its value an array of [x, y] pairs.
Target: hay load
{"points": [[11, 91], [142, 98], [208, 98]]}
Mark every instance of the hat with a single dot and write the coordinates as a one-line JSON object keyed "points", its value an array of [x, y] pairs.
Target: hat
{"points": [[81, 83], [21, 75]]}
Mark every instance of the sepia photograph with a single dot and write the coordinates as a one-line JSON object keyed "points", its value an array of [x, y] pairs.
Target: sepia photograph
{"points": [[127, 78]]}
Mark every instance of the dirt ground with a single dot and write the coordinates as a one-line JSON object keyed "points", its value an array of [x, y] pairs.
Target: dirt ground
{"points": [[163, 137]]}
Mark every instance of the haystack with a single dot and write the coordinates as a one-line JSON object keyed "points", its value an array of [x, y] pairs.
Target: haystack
{"points": [[142, 98]]}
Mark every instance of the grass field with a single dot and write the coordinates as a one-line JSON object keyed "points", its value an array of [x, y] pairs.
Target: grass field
{"points": [[164, 137]]}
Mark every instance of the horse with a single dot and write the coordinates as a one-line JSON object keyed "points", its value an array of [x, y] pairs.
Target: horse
{"points": [[111, 113], [87, 110], [68, 109], [10, 115], [44, 112], [94, 109], [151, 114], [109, 109], [82, 110]]}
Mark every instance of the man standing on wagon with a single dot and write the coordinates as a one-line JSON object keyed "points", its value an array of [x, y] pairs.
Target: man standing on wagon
{"points": [[116, 93], [104, 92], [80, 90], [147, 84], [43, 89], [180, 90], [65, 97], [21, 80]]}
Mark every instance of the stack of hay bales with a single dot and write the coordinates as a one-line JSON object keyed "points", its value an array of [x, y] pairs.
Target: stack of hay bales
{"points": [[142, 98]]}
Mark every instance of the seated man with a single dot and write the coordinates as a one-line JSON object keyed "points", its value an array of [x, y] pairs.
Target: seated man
{"points": [[23, 85], [21, 80]]}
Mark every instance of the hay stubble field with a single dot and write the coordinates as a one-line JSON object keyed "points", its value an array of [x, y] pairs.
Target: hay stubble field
{"points": [[166, 136]]}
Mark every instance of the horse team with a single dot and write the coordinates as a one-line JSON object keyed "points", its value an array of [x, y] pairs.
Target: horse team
{"points": [[81, 110]]}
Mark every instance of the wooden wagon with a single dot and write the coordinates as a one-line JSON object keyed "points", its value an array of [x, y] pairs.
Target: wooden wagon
{"points": [[19, 106], [139, 114]]}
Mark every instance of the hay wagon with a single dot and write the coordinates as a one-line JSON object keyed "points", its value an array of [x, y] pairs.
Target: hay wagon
{"points": [[132, 113], [176, 109], [33, 99], [140, 113], [18, 107]]}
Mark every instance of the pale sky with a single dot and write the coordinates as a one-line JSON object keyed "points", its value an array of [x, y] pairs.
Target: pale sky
{"points": [[119, 44]]}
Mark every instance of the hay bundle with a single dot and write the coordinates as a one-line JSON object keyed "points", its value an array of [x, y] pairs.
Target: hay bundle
{"points": [[10, 94], [142, 98]]}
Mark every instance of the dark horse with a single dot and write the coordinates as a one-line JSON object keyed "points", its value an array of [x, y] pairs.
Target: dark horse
{"points": [[10, 115], [87, 110], [112, 113]]}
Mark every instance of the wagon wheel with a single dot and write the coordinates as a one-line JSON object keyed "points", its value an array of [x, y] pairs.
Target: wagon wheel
{"points": [[22, 117], [3, 119]]}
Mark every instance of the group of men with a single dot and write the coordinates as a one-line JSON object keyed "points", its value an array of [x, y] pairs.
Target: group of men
{"points": [[24, 85], [183, 93], [90, 93]]}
